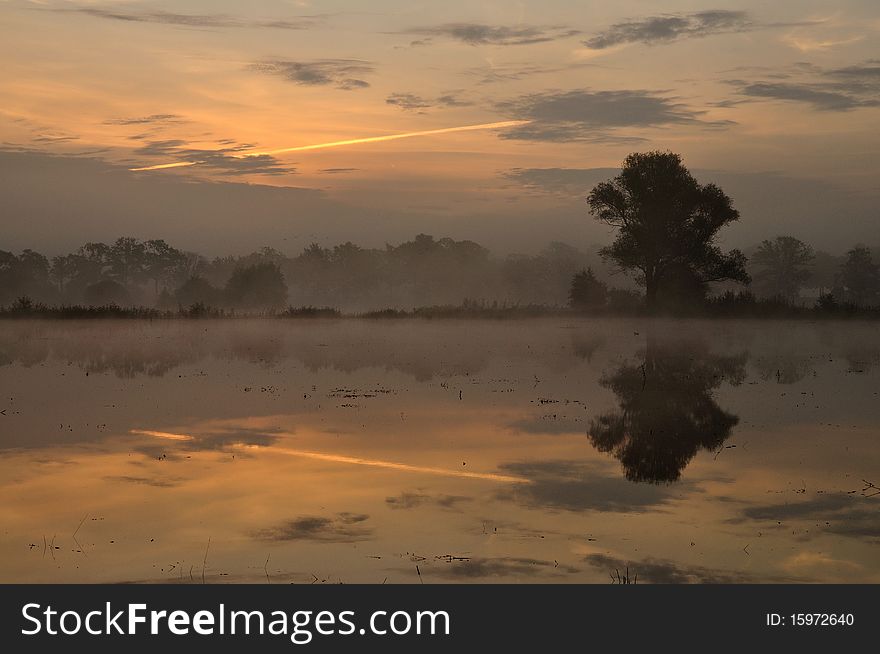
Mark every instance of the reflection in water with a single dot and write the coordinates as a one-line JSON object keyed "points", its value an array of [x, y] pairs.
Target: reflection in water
{"points": [[349, 450], [667, 409]]}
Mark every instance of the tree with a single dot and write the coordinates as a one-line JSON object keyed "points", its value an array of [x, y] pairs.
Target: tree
{"points": [[666, 221], [783, 266], [197, 290], [106, 292], [587, 292], [260, 286], [127, 260], [163, 263], [860, 276]]}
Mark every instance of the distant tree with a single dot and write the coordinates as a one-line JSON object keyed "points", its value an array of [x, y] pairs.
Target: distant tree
{"points": [[24, 275], [666, 222], [783, 266], [106, 292], [260, 286], [62, 270], [163, 264], [197, 290], [586, 291], [127, 259], [860, 276]]}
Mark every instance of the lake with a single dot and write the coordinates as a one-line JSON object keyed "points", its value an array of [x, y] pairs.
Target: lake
{"points": [[417, 451]]}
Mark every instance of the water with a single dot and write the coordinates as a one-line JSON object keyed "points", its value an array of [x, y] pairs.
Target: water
{"points": [[439, 451]]}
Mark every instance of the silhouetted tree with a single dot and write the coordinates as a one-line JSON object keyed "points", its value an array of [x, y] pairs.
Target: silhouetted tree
{"points": [[586, 291], [260, 286], [163, 264], [127, 260], [197, 290], [860, 276], [783, 266], [666, 222], [106, 291], [667, 411]]}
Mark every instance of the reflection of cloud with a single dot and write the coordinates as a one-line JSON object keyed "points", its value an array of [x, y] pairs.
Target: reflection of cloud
{"points": [[410, 500], [668, 28], [581, 486], [663, 571], [584, 115], [837, 513], [146, 481], [344, 74], [481, 34], [193, 20], [478, 568], [341, 528], [548, 424]]}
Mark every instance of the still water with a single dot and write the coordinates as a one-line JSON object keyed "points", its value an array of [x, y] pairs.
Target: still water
{"points": [[545, 450]]}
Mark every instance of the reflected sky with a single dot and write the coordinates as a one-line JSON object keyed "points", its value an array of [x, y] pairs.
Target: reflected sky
{"points": [[439, 451]]}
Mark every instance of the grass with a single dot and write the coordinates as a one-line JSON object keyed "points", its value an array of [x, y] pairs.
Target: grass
{"points": [[729, 305]]}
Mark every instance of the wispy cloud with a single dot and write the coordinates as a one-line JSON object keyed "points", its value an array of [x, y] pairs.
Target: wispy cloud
{"points": [[585, 115], [194, 20], [668, 28], [836, 89], [144, 120], [344, 74], [223, 161], [482, 34], [413, 102]]}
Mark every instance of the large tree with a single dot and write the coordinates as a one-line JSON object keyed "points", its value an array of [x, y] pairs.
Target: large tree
{"points": [[667, 224], [783, 266]]}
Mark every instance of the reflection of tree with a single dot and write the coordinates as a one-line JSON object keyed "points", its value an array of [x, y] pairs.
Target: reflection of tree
{"points": [[667, 411], [784, 367]]}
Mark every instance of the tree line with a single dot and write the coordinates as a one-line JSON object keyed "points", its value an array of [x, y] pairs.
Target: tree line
{"points": [[666, 241]]}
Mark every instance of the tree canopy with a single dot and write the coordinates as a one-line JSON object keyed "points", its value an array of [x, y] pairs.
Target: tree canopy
{"points": [[667, 224]]}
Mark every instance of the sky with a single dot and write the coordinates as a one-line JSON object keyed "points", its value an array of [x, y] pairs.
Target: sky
{"points": [[224, 126]]}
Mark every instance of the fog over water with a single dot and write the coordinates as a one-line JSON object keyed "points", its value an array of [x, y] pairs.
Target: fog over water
{"points": [[353, 450]]}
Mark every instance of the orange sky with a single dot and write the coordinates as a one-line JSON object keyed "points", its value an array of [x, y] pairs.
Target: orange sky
{"points": [[741, 87]]}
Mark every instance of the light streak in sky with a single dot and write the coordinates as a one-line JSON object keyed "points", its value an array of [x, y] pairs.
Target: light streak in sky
{"points": [[337, 144]]}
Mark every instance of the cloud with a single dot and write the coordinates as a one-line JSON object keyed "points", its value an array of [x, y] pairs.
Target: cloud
{"points": [[144, 120], [481, 34], [344, 74], [407, 101], [837, 89], [837, 513], [194, 20], [225, 161], [338, 171], [513, 72], [341, 528], [580, 486], [820, 97], [566, 181], [585, 115], [412, 102], [663, 571], [480, 568], [410, 500], [668, 28]]}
